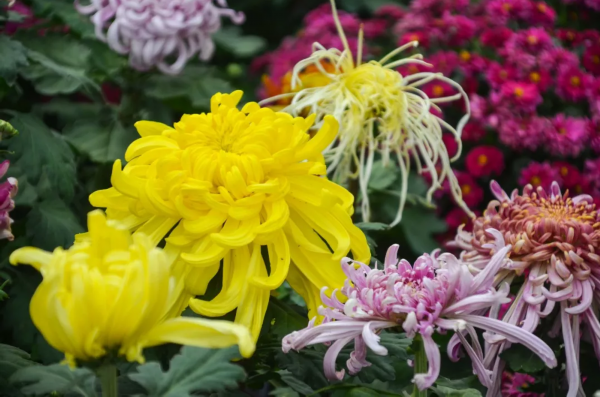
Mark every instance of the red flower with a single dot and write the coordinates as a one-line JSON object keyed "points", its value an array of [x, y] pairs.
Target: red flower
{"points": [[542, 14], [485, 161], [570, 175], [569, 36], [523, 96], [498, 74], [496, 37], [472, 193], [451, 144], [457, 217], [539, 174], [540, 77], [473, 132], [421, 37], [572, 83]]}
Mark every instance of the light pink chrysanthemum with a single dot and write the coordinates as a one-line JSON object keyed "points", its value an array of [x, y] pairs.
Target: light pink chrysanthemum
{"points": [[8, 190], [436, 293], [522, 134], [154, 32], [554, 241]]}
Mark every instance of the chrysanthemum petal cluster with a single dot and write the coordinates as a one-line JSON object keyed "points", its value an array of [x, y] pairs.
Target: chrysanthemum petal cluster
{"points": [[8, 191], [380, 111], [114, 293], [222, 185], [436, 293], [161, 33], [555, 240]]}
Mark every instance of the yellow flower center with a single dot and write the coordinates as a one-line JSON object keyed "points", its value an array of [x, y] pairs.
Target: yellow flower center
{"points": [[575, 81], [536, 181], [562, 131], [465, 55], [542, 7], [438, 90], [596, 59], [535, 77], [564, 171], [506, 7], [531, 39], [519, 92], [466, 189], [482, 159]]}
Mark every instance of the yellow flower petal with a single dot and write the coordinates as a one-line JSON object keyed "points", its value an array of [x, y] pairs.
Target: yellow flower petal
{"points": [[35, 257]]}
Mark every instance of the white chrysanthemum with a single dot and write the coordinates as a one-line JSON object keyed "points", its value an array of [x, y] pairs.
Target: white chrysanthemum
{"points": [[153, 32], [380, 111]]}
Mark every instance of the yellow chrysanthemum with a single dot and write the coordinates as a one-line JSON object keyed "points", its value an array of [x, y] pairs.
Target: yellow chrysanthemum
{"points": [[379, 111], [111, 292], [224, 184]]}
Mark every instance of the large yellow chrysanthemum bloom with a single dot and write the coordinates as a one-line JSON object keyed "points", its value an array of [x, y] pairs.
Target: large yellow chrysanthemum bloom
{"points": [[224, 184], [112, 293], [380, 111]]}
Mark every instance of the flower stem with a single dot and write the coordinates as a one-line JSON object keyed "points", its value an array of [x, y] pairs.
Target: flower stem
{"points": [[108, 380], [420, 364]]}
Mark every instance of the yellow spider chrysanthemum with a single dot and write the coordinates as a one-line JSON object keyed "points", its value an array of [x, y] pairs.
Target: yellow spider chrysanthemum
{"points": [[379, 111], [224, 184], [111, 292]]}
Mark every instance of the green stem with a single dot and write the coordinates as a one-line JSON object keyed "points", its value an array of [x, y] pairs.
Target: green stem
{"points": [[108, 380], [420, 364]]}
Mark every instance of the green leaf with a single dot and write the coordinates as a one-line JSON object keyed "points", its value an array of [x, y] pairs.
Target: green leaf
{"points": [[11, 360], [443, 391], [382, 176], [232, 40], [372, 226], [299, 386], [65, 12], [38, 150], [14, 57], [101, 142], [198, 84], [283, 318], [521, 359], [284, 392], [419, 226], [59, 65], [56, 378], [52, 224], [193, 370]]}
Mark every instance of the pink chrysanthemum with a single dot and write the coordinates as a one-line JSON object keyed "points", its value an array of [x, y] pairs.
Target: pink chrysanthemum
{"points": [[498, 75], [8, 190], [457, 29], [569, 37], [594, 133], [521, 96], [592, 173], [444, 61], [507, 9], [538, 76], [421, 37], [473, 132], [571, 83], [471, 191], [532, 41], [555, 241], [591, 59], [436, 293], [496, 37], [558, 58], [569, 174], [567, 137], [485, 161], [457, 217], [153, 32], [516, 385], [542, 14], [522, 134], [539, 175], [391, 11]]}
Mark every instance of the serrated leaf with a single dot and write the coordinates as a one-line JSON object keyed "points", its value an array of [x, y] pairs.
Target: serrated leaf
{"points": [[58, 65], [102, 143], [194, 370], [37, 151], [56, 378], [232, 40], [198, 84], [382, 176], [296, 384], [52, 224], [420, 225], [521, 359], [13, 59], [11, 360]]}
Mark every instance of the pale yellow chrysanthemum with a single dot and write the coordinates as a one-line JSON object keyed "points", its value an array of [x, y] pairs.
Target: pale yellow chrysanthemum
{"points": [[224, 185], [380, 111], [112, 293]]}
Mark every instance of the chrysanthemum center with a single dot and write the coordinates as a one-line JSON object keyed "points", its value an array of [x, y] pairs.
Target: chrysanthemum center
{"points": [[575, 81], [535, 77]]}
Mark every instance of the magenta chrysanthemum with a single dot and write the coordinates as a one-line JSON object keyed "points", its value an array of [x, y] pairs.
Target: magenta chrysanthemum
{"points": [[555, 241], [436, 293], [8, 190], [154, 32]]}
